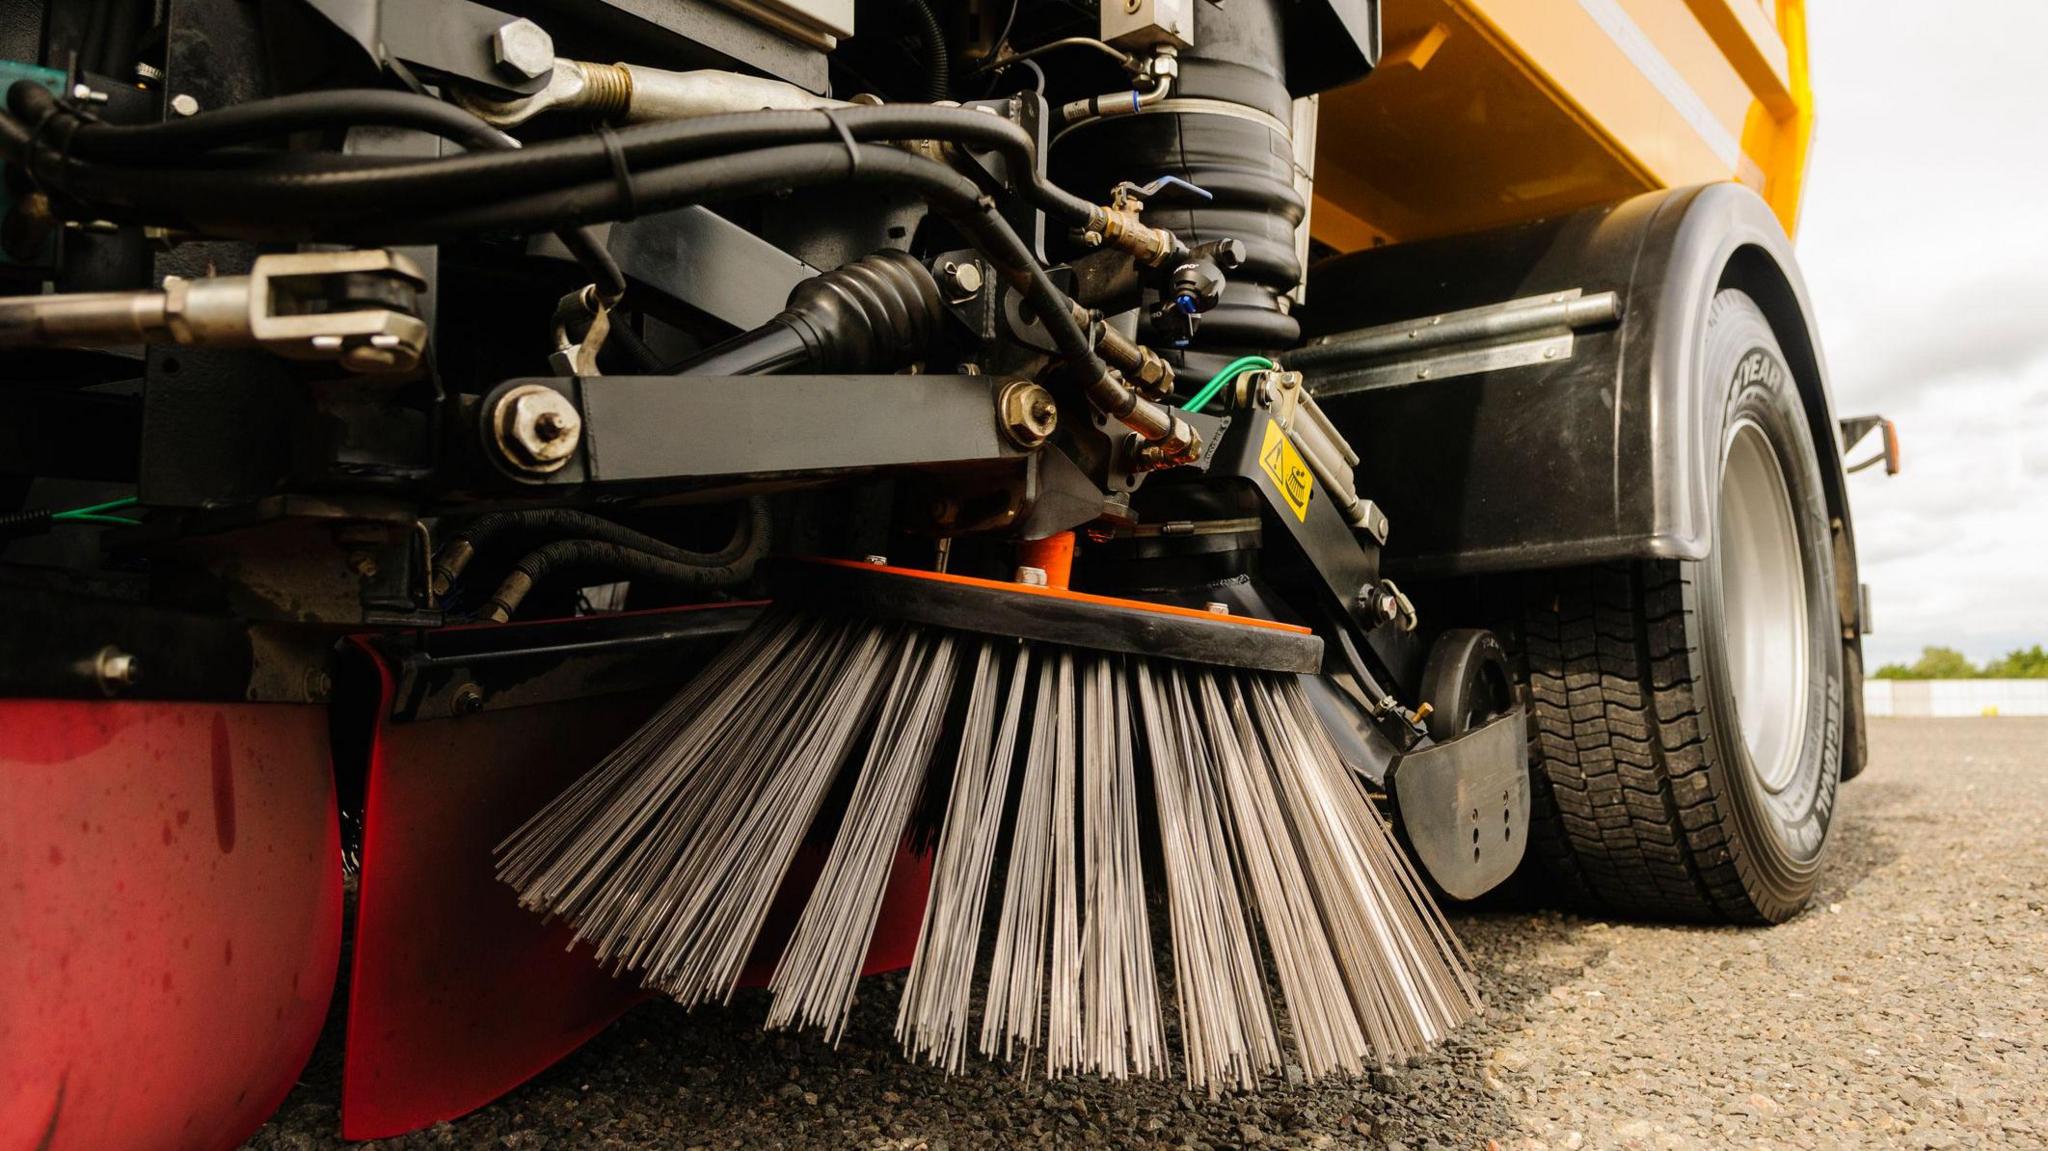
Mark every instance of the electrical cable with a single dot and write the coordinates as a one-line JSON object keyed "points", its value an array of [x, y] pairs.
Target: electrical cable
{"points": [[1124, 59], [93, 514], [1222, 378], [938, 63]]}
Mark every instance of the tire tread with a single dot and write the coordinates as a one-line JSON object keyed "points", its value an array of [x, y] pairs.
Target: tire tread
{"points": [[1625, 815]]}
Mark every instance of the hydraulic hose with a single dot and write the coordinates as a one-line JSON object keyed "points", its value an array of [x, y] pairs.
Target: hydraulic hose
{"points": [[261, 120], [759, 171], [248, 123], [955, 197], [370, 185], [536, 566], [465, 542], [603, 195]]}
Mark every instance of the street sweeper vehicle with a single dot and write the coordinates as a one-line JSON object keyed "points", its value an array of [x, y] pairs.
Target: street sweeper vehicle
{"points": [[1113, 510]]}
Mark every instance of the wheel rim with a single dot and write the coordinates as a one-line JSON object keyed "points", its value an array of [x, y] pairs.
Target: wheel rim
{"points": [[1763, 589]]}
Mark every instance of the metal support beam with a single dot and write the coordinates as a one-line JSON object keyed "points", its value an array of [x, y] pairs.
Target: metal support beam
{"points": [[640, 428]]}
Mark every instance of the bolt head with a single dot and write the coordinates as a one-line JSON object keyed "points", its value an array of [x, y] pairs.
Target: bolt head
{"points": [[1027, 414], [1029, 576], [535, 429], [115, 669], [185, 104], [524, 48]]}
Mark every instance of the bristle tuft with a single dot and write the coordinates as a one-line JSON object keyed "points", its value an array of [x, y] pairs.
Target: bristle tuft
{"points": [[1094, 787]]}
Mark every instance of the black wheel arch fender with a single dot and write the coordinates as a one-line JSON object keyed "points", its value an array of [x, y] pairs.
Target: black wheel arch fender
{"points": [[1610, 454]]}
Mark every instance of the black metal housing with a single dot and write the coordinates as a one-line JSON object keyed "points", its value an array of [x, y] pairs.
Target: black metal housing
{"points": [[1598, 456]]}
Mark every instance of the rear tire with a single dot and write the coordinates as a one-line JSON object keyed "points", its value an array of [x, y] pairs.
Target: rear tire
{"points": [[1686, 717]]}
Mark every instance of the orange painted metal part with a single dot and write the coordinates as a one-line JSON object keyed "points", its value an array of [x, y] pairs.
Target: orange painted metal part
{"points": [[1053, 555], [170, 918], [1489, 112], [1069, 596]]}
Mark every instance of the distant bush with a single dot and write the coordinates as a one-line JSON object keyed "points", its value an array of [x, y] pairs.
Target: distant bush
{"points": [[1948, 663]]}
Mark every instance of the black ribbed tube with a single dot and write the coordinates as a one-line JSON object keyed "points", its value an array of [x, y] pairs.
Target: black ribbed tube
{"points": [[938, 61], [537, 566], [875, 313], [750, 537]]}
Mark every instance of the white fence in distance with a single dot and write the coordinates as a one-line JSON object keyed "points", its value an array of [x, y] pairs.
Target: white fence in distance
{"points": [[1955, 697]]}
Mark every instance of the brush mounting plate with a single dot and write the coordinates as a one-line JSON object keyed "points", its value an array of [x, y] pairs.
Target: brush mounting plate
{"points": [[1049, 615]]}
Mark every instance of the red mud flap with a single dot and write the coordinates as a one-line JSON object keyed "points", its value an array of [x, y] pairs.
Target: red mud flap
{"points": [[170, 918], [457, 994]]}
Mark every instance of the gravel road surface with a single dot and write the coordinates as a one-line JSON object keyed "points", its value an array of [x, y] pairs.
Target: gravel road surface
{"points": [[1906, 1009]]}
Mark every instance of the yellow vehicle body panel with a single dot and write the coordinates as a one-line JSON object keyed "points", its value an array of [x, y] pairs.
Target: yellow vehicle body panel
{"points": [[1486, 112]]}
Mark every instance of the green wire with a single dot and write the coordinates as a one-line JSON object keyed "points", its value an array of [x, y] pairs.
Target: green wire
{"points": [[89, 518], [1216, 383], [93, 514], [110, 505]]}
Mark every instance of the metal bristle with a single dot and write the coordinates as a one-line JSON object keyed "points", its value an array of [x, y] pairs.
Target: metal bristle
{"points": [[932, 1020], [813, 981], [668, 855]]}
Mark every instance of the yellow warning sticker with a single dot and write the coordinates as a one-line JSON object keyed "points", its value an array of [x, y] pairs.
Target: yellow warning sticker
{"points": [[1289, 472]]}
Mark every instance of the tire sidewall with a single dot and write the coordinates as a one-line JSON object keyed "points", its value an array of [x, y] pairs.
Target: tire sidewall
{"points": [[1783, 834]]}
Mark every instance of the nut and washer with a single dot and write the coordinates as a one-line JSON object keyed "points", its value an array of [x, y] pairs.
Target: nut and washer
{"points": [[523, 48], [536, 429], [1027, 414]]}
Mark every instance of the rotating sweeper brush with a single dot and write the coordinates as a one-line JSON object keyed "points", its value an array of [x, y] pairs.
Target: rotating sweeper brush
{"points": [[1087, 772]]}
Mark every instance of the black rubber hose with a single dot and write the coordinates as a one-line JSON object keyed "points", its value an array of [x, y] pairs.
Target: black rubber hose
{"points": [[260, 120], [252, 122], [938, 62], [770, 170], [462, 545], [367, 186], [535, 567]]}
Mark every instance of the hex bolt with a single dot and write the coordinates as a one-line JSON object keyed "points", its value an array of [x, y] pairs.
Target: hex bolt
{"points": [[115, 670], [1029, 576], [1027, 414], [536, 429], [469, 699], [523, 48], [363, 564], [878, 561], [185, 104], [1216, 607]]}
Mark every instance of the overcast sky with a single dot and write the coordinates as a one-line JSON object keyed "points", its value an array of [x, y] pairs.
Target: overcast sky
{"points": [[1924, 239]]}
